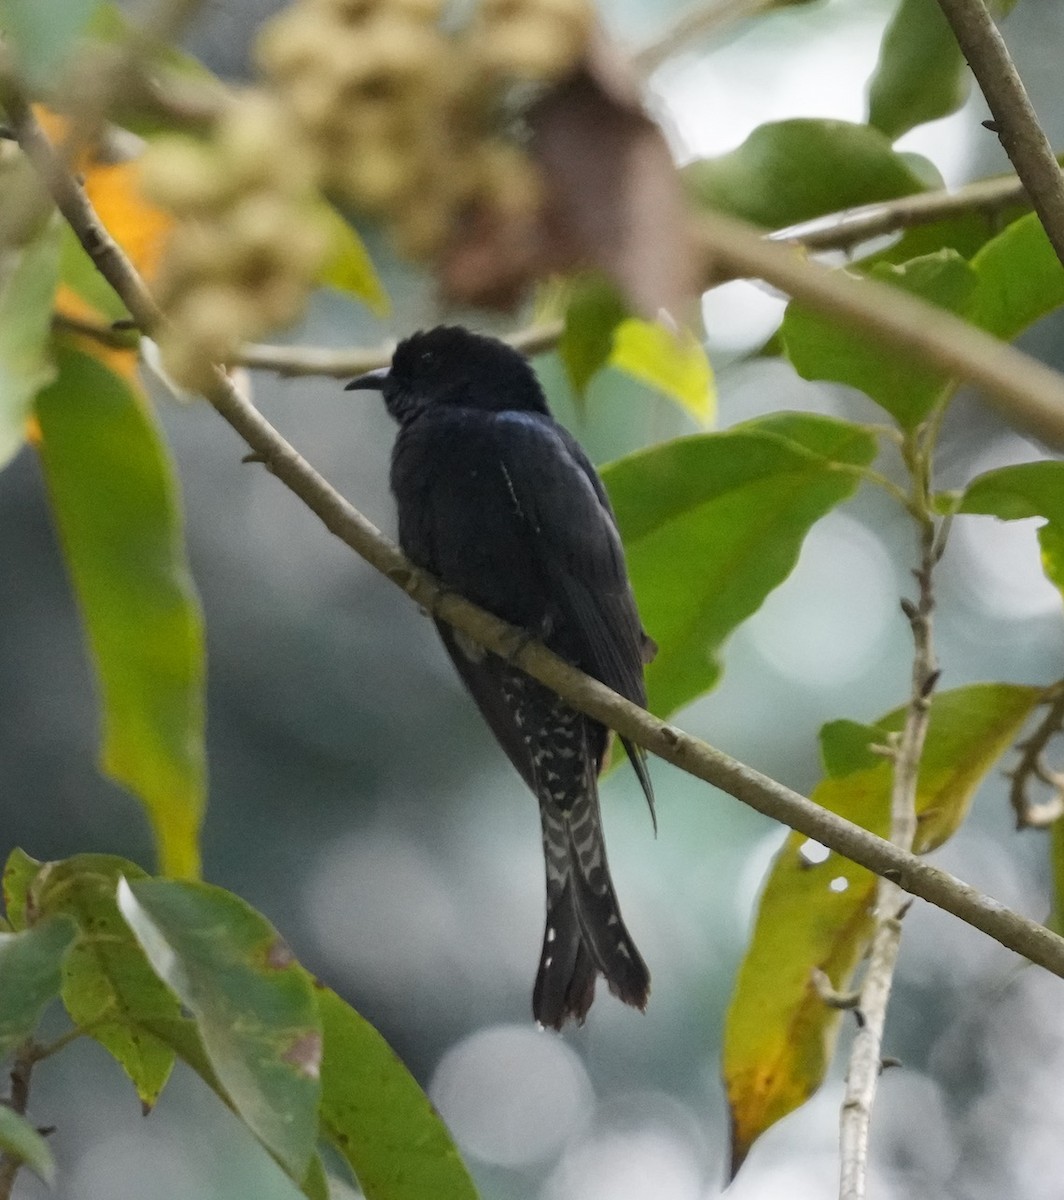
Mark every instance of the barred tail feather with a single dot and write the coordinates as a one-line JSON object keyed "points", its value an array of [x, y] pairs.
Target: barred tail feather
{"points": [[585, 934]]}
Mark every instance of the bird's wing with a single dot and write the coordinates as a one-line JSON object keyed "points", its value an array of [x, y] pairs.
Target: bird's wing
{"points": [[573, 544], [572, 538]]}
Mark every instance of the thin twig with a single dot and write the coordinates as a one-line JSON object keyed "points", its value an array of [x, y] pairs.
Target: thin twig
{"points": [[1015, 121], [844, 230], [1011, 929], [17, 1101], [693, 25], [1030, 813], [107, 335], [866, 1053], [292, 361], [1029, 394]]}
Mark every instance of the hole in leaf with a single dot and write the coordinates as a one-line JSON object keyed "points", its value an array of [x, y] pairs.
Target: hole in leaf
{"points": [[812, 853]]}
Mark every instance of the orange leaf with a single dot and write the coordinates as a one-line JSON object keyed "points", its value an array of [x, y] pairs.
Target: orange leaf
{"points": [[137, 226], [113, 187]]}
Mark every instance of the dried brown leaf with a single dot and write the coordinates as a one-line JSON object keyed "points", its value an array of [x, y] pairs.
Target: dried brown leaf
{"points": [[613, 201]]}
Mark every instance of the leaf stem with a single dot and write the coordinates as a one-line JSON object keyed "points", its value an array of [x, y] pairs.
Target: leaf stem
{"points": [[43, 1050], [871, 475]]}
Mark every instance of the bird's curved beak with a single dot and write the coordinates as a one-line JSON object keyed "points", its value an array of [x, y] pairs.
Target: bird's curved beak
{"points": [[371, 381]]}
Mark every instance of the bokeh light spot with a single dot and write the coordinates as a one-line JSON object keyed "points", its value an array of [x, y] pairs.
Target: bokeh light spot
{"points": [[512, 1095]]}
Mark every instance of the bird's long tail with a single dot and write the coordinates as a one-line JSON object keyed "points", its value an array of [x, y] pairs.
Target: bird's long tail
{"points": [[585, 935]]}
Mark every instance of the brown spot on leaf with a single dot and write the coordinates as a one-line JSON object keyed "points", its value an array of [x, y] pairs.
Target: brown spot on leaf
{"points": [[279, 956], [305, 1054]]}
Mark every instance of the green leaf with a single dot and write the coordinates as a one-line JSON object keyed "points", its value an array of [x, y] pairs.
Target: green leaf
{"points": [[30, 966], [253, 1005], [28, 279], [183, 1037], [780, 1035], [117, 506], [673, 363], [19, 873], [594, 311], [108, 986], [378, 1117], [966, 233], [348, 267], [43, 35], [1033, 489], [712, 523], [820, 348], [921, 74], [1019, 279], [791, 171], [20, 1139], [846, 746]]}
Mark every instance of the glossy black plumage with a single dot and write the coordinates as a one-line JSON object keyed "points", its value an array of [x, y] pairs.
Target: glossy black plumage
{"points": [[501, 504]]}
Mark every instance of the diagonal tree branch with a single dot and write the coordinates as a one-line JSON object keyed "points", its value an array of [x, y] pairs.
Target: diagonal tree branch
{"points": [[1015, 121], [1028, 393], [910, 873]]}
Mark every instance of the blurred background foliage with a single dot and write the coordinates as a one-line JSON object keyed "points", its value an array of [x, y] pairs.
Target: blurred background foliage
{"points": [[358, 802]]}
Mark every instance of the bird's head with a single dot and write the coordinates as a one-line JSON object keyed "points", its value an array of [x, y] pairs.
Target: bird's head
{"points": [[450, 366]]}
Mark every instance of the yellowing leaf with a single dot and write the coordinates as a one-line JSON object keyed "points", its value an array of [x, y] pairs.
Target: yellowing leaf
{"points": [[815, 911], [675, 364], [108, 985], [348, 267], [114, 495], [138, 226]]}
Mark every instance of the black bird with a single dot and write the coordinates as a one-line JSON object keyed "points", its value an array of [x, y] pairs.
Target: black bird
{"points": [[499, 502]]}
